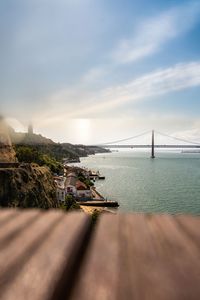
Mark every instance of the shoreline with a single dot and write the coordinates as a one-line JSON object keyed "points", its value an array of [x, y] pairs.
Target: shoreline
{"points": [[92, 209], [97, 202]]}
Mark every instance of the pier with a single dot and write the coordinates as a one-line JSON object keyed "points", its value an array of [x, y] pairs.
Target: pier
{"points": [[96, 175], [96, 195], [98, 200], [100, 203], [50, 255]]}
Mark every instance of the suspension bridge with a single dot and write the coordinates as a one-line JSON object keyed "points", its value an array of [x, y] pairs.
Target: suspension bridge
{"points": [[116, 144]]}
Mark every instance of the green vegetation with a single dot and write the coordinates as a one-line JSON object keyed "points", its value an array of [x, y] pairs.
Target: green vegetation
{"points": [[95, 216], [85, 180], [69, 204], [32, 154], [27, 186], [52, 163], [59, 151], [56, 151]]}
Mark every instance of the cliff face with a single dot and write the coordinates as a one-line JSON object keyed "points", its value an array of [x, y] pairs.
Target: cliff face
{"points": [[27, 186], [7, 153]]}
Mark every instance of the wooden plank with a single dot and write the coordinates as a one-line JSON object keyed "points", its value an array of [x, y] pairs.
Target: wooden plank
{"points": [[190, 226], [39, 260], [7, 215], [134, 256], [98, 278], [168, 269], [141, 257], [137, 258], [14, 226]]}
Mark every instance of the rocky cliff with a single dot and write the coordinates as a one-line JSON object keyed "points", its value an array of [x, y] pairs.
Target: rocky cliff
{"points": [[27, 186], [7, 153]]}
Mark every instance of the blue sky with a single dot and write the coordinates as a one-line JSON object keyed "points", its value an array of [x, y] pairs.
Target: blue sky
{"points": [[95, 70]]}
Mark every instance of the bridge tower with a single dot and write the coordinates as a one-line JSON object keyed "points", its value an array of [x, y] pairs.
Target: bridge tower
{"points": [[152, 145]]}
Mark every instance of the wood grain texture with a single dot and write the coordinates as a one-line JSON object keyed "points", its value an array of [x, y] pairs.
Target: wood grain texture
{"points": [[98, 278], [47, 255], [42, 248], [138, 256]]}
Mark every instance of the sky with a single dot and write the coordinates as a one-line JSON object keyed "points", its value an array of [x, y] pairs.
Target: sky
{"points": [[92, 71]]}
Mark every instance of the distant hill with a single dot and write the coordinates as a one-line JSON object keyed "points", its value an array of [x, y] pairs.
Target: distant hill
{"points": [[28, 138], [59, 151]]}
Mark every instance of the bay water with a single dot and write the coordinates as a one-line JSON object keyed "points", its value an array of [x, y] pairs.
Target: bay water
{"points": [[169, 183]]}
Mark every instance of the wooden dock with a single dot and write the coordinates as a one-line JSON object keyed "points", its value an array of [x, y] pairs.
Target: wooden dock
{"points": [[48, 255], [100, 203], [96, 195]]}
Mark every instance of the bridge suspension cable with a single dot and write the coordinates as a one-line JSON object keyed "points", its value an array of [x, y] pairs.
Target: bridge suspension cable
{"points": [[126, 139], [176, 138]]}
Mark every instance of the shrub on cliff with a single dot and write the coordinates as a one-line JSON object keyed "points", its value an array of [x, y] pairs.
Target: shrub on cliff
{"points": [[70, 203], [51, 162], [85, 180], [30, 154], [27, 186]]}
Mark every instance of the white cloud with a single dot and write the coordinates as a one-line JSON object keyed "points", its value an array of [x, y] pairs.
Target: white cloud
{"points": [[77, 102], [151, 35], [191, 134], [178, 77], [94, 74], [148, 38]]}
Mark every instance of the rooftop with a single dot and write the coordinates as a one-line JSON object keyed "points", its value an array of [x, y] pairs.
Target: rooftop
{"points": [[81, 186], [72, 174], [70, 181]]}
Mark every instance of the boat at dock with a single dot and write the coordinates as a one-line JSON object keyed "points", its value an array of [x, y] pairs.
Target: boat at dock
{"points": [[93, 175]]}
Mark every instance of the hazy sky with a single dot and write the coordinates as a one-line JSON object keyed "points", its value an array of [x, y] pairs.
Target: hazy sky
{"points": [[91, 71]]}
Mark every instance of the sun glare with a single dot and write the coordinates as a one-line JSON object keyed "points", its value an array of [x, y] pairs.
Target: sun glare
{"points": [[15, 124], [83, 130]]}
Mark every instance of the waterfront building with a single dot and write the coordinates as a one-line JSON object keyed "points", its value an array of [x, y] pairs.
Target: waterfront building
{"points": [[65, 186], [70, 184], [83, 192], [60, 187], [60, 194]]}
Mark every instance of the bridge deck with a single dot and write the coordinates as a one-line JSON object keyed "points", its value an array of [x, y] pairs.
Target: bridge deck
{"points": [[149, 146], [52, 255]]}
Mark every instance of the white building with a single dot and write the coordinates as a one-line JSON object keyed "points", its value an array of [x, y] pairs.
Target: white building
{"points": [[60, 194], [60, 187], [83, 192], [65, 186], [70, 184]]}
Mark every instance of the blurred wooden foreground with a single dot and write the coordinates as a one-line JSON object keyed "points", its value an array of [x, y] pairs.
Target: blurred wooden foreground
{"points": [[52, 255]]}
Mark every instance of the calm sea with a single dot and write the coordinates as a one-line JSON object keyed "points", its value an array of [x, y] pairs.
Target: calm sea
{"points": [[169, 183]]}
